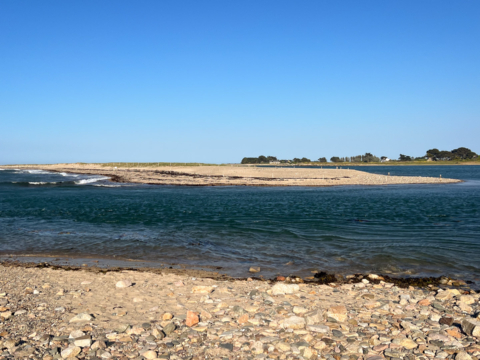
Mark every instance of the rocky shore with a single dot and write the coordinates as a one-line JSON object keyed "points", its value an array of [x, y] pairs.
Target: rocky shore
{"points": [[237, 175], [52, 313]]}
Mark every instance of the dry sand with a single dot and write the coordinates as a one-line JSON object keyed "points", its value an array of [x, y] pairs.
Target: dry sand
{"points": [[238, 175]]}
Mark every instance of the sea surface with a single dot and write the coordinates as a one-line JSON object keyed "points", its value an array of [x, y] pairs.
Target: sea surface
{"points": [[406, 230]]}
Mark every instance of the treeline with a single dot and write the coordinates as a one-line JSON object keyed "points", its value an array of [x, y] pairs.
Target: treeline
{"points": [[461, 153], [273, 159]]}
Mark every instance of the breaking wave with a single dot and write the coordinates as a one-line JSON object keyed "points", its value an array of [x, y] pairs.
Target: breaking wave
{"points": [[43, 182], [37, 171], [89, 181]]}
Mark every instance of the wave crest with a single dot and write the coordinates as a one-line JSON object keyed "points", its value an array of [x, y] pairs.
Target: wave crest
{"points": [[89, 181]]}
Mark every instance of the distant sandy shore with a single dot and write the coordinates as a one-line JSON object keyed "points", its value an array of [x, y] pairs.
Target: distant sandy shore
{"points": [[237, 175]]}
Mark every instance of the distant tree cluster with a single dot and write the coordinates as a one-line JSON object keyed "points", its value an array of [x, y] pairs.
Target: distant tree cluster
{"points": [[259, 160], [462, 153], [368, 157], [302, 160]]}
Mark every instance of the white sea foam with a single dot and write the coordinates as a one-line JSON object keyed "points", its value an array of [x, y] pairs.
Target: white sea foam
{"points": [[40, 183], [38, 172], [105, 185], [65, 174], [89, 181]]}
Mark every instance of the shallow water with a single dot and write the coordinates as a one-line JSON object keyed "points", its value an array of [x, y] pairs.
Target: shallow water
{"points": [[400, 229]]}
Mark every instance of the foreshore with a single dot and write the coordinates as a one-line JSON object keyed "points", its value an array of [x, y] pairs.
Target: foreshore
{"points": [[237, 176], [49, 312]]}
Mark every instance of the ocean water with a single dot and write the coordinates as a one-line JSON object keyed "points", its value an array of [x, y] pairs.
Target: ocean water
{"points": [[406, 230]]}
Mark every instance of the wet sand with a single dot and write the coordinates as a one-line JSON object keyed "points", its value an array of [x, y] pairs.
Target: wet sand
{"points": [[237, 175]]}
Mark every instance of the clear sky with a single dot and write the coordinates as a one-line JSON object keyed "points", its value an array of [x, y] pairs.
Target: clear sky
{"points": [[214, 81]]}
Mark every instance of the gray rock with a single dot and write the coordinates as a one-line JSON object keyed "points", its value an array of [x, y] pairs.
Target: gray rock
{"points": [[169, 328]]}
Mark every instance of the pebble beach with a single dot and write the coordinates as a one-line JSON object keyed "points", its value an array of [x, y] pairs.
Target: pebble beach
{"points": [[64, 313], [236, 175]]}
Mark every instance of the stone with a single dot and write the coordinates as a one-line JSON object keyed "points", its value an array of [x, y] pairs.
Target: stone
{"points": [[257, 347], [313, 317], [464, 307], [169, 328], [446, 320], [471, 327], [408, 344], [254, 269], [444, 295], [338, 313], [202, 289], [81, 317], [462, 355], [467, 299], [294, 322], [167, 316], [424, 302], [192, 318], [76, 333], [309, 353], [83, 341], [123, 284], [454, 332], [70, 352], [98, 345], [243, 319], [6, 315], [10, 344], [282, 346], [299, 310], [282, 289], [318, 328], [227, 346], [149, 354]]}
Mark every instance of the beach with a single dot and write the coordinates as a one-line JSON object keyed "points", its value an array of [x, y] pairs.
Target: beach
{"points": [[49, 312], [237, 175]]}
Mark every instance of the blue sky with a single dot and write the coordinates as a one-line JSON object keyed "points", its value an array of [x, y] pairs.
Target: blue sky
{"points": [[214, 81]]}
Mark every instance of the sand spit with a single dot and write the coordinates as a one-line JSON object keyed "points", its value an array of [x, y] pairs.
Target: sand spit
{"points": [[49, 313], [237, 175]]}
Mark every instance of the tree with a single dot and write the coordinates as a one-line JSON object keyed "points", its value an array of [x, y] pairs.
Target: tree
{"points": [[305, 160], [249, 160], [335, 159], [444, 155], [262, 159], [433, 153], [322, 160], [405, 158], [463, 153], [272, 158], [368, 157]]}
